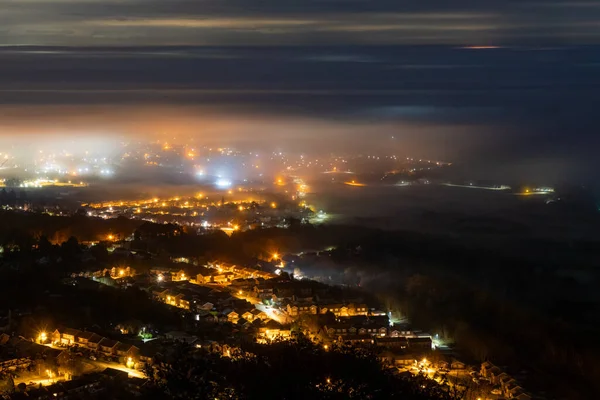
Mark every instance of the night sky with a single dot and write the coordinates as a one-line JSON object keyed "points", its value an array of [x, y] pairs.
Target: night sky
{"points": [[316, 71]]}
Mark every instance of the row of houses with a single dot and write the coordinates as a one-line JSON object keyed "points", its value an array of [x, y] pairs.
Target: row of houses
{"points": [[114, 272], [338, 309], [225, 273], [92, 341], [509, 386], [95, 385], [199, 299]]}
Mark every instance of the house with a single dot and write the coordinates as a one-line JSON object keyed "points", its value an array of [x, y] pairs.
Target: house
{"points": [[244, 283], [263, 291], [355, 339], [231, 315], [398, 331], [337, 329], [504, 379], [404, 359], [84, 337], [146, 356], [248, 316], [493, 374], [420, 343], [357, 309], [392, 342], [203, 278], [68, 336], [180, 275], [374, 330], [160, 294], [225, 267], [259, 314], [273, 330], [485, 368], [296, 309], [514, 391], [345, 310], [334, 308], [127, 350], [180, 300], [108, 346], [223, 278], [93, 341]]}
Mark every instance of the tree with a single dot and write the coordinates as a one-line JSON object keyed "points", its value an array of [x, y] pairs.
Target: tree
{"points": [[7, 384], [291, 370]]}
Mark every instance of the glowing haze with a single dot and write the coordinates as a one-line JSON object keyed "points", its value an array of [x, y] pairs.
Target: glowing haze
{"points": [[500, 86]]}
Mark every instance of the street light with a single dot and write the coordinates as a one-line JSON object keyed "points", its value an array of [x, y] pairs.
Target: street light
{"points": [[42, 337]]}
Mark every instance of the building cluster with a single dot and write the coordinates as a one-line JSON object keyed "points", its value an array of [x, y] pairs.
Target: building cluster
{"points": [[202, 300], [508, 385], [113, 273], [225, 273], [96, 384], [126, 353], [18, 354]]}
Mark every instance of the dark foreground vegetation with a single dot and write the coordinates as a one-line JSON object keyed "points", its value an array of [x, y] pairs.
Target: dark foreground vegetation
{"points": [[288, 370]]}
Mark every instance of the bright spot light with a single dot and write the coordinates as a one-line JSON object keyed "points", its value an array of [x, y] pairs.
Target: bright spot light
{"points": [[223, 183]]}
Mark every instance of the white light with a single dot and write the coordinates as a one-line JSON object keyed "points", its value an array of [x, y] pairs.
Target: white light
{"points": [[223, 183]]}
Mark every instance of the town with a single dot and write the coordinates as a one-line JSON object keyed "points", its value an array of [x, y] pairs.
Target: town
{"points": [[218, 307]]}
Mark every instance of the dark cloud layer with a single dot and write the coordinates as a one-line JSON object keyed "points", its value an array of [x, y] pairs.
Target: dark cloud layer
{"points": [[268, 22], [513, 106], [386, 67]]}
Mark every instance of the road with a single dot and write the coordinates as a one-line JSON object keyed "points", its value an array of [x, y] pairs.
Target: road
{"points": [[273, 313], [99, 366]]}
